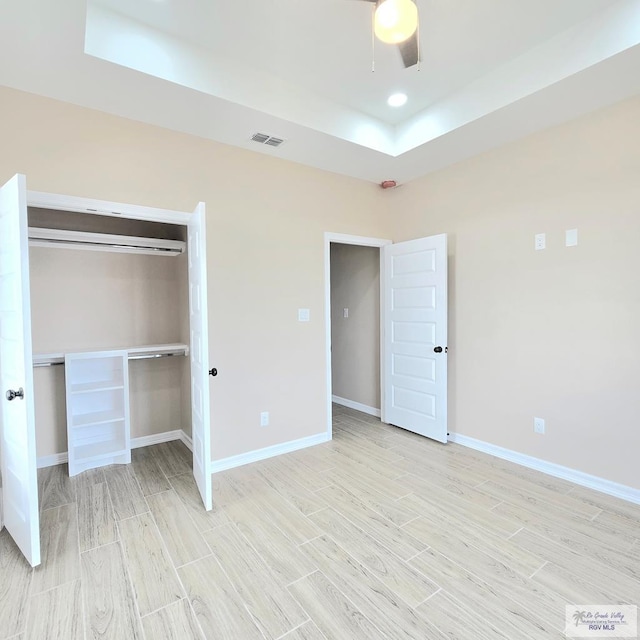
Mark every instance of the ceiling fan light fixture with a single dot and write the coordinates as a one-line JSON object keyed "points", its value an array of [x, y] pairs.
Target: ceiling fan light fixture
{"points": [[395, 20]]}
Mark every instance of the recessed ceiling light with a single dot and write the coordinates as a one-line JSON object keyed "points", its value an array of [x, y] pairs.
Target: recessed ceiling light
{"points": [[397, 99]]}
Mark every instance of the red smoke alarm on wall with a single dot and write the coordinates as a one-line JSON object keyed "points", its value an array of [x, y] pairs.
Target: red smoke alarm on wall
{"points": [[388, 184]]}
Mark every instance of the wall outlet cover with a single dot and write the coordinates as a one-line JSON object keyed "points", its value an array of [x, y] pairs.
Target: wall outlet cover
{"points": [[264, 419], [538, 425], [304, 315], [540, 241]]}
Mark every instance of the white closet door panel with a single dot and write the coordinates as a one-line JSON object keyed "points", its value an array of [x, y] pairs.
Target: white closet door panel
{"points": [[199, 354], [17, 421]]}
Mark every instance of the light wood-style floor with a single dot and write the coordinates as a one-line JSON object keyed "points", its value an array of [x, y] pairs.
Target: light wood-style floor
{"points": [[378, 534]]}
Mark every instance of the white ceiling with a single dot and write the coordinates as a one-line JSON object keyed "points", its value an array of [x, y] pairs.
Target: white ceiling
{"points": [[491, 71]]}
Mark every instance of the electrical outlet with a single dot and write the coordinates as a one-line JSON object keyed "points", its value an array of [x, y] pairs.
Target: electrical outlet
{"points": [[540, 241], [345, 313], [264, 419], [538, 425]]}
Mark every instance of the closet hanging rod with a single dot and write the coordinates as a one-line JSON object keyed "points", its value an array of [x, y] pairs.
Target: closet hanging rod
{"points": [[48, 364], [134, 353], [66, 239], [145, 357], [150, 356]]}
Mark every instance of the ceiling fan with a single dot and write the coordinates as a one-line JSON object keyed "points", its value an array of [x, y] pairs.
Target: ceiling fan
{"points": [[396, 22]]}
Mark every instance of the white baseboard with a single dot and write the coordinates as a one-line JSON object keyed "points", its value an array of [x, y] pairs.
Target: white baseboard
{"points": [[268, 452], [352, 404], [550, 468], [186, 440], [156, 438], [52, 460], [136, 443]]}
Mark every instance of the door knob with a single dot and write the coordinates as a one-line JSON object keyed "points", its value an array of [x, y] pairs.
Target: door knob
{"points": [[213, 372], [12, 395], [438, 349]]}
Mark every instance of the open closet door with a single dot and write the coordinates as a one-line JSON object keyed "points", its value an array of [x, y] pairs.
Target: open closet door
{"points": [[17, 421], [199, 354], [414, 320]]}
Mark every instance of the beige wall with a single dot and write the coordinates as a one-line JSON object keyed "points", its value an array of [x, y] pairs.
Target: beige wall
{"points": [[550, 333], [355, 341], [266, 220]]}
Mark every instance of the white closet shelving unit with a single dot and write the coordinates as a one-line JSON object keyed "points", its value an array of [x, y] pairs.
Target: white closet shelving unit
{"points": [[98, 426], [97, 395]]}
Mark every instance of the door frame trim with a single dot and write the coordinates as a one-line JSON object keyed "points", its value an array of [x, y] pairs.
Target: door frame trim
{"points": [[360, 241]]}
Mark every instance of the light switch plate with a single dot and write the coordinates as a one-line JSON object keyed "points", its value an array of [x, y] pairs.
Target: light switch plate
{"points": [[540, 241], [345, 313], [571, 237], [304, 315]]}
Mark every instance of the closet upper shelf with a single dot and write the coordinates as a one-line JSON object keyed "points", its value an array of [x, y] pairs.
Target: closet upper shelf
{"points": [[68, 239], [134, 353]]}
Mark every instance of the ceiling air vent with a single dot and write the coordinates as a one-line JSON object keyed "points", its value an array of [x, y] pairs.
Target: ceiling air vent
{"points": [[264, 138]]}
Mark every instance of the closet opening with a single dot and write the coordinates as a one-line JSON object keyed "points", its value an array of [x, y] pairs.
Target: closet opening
{"points": [[101, 284]]}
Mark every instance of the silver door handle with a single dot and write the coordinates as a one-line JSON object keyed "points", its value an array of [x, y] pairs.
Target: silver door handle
{"points": [[12, 395]]}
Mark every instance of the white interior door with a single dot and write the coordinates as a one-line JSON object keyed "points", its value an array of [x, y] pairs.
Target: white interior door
{"points": [[199, 354], [415, 336], [17, 422]]}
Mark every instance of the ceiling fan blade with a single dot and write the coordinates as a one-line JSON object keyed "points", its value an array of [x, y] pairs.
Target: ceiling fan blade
{"points": [[409, 50]]}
